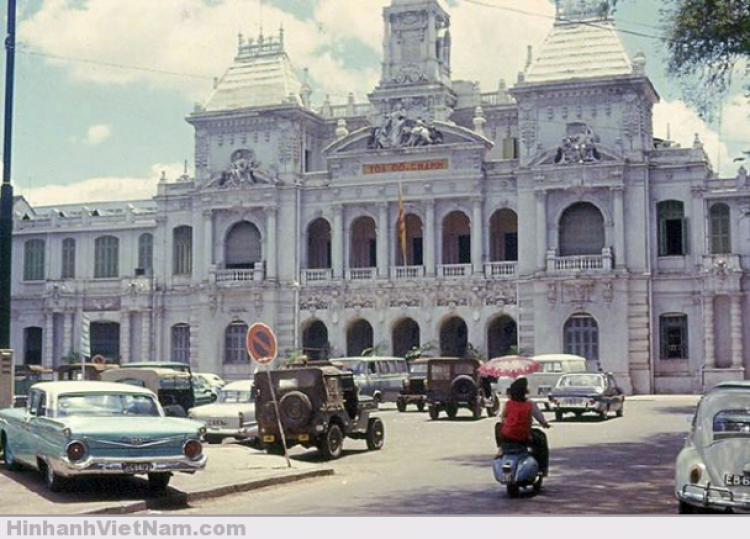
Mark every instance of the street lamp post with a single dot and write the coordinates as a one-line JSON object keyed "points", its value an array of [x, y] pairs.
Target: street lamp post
{"points": [[6, 194]]}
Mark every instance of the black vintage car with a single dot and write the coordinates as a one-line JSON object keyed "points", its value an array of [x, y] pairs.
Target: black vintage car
{"points": [[454, 383], [589, 392], [413, 390], [318, 406]]}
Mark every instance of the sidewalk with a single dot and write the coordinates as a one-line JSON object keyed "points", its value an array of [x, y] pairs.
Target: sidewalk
{"points": [[231, 468]]}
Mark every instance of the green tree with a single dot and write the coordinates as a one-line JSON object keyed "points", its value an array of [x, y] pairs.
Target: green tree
{"points": [[708, 42]]}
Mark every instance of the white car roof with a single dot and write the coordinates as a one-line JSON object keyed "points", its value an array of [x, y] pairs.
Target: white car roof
{"points": [[238, 385], [90, 386]]}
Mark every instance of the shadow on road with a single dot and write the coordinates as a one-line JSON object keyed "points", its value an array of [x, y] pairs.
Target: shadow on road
{"points": [[617, 478]]}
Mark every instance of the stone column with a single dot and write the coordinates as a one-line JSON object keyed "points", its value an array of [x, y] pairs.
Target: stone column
{"points": [[619, 227], [476, 236], [271, 243], [383, 235], [125, 331], [337, 242], [145, 336], [736, 330], [708, 332], [49, 340], [68, 333], [541, 229], [205, 246], [429, 248]]}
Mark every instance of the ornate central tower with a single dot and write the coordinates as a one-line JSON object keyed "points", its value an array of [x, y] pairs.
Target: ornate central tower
{"points": [[416, 62]]}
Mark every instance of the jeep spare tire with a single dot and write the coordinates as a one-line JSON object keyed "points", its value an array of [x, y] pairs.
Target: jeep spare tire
{"points": [[295, 409], [463, 388]]}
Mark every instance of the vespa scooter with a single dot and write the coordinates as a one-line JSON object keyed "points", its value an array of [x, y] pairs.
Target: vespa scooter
{"points": [[516, 468]]}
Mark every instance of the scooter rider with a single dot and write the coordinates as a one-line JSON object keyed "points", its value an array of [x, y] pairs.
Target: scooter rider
{"points": [[516, 417]]}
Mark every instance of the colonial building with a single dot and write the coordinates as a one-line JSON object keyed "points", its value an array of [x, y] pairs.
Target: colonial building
{"points": [[542, 217]]}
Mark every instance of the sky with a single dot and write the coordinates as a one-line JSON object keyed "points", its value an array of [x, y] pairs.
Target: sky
{"points": [[103, 87]]}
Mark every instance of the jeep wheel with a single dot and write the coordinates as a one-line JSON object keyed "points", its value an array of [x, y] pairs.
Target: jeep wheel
{"points": [[420, 406], [401, 405], [275, 448], [375, 434], [464, 388], [451, 410], [295, 409], [434, 412], [493, 409], [332, 443]]}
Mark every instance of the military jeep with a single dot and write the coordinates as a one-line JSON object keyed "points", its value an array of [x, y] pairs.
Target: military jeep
{"points": [[413, 391], [317, 406], [454, 383]]}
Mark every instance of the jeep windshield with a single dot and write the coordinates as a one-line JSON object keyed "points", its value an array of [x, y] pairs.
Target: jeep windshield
{"points": [[295, 380], [418, 369]]}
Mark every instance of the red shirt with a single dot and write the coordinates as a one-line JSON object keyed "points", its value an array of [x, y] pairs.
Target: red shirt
{"points": [[517, 422]]}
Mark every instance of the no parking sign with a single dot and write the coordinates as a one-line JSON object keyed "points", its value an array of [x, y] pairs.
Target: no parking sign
{"points": [[261, 343]]}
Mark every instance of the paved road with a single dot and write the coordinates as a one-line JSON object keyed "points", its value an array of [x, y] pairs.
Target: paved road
{"points": [[620, 466]]}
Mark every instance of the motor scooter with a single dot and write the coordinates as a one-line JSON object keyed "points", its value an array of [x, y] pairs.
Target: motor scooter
{"points": [[516, 468]]}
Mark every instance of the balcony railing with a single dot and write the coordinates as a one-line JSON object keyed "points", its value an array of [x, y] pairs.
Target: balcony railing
{"points": [[238, 275], [317, 275], [501, 270], [361, 274], [454, 271], [565, 264], [407, 272]]}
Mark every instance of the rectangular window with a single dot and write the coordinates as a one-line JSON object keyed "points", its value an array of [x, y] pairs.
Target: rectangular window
{"points": [[106, 257], [183, 251], [181, 343], [146, 254], [33, 260], [68, 259], [673, 332]]}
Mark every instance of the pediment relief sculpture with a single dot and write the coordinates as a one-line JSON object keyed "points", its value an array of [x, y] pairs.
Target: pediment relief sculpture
{"points": [[243, 169], [579, 145], [400, 131]]}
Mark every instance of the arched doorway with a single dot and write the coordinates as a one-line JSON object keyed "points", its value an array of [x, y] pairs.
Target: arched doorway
{"points": [[454, 337], [456, 239], [315, 341], [319, 244], [358, 338], [581, 230], [243, 246], [406, 335], [364, 244], [502, 336]]}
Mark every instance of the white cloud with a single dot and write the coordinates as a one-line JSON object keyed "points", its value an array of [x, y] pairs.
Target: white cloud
{"points": [[97, 134], [683, 124], [102, 189]]}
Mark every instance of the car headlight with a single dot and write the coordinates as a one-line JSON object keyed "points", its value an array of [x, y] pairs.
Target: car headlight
{"points": [[192, 449], [75, 451]]}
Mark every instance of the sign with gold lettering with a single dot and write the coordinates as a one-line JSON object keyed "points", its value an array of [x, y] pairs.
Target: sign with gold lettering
{"points": [[406, 166]]}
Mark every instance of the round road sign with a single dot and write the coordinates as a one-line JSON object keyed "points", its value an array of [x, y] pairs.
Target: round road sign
{"points": [[98, 359], [261, 343]]}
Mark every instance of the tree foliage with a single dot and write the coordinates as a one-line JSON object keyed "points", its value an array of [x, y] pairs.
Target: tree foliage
{"points": [[708, 41]]}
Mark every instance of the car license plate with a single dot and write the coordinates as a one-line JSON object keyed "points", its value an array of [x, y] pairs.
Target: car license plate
{"points": [[573, 402], [137, 467], [732, 480], [303, 437]]}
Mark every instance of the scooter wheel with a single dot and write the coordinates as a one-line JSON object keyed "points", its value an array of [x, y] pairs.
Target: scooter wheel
{"points": [[537, 486], [513, 491]]}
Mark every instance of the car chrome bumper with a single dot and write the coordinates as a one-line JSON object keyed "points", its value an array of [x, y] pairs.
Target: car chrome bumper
{"points": [[115, 466], [713, 497], [244, 432]]}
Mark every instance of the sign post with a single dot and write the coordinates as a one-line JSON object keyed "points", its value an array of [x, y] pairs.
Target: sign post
{"points": [[85, 342], [262, 347]]}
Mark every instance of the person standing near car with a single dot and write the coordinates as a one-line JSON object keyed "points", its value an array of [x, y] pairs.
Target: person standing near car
{"points": [[516, 418]]}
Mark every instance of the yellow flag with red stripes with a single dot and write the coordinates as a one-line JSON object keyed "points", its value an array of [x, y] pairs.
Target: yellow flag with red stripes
{"points": [[401, 223]]}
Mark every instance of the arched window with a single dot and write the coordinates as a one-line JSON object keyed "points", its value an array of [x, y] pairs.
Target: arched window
{"points": [[319, 244], [581, 337], [456, 239], [235, 350], [504, 236], [358, 338], [364, 244], [33, 260], [68, 270], [146, 254], [721, 239], [581, 230], [181, 343], [243, 246], [673, 335], [673, 228], [106, 257], [183, 250]]}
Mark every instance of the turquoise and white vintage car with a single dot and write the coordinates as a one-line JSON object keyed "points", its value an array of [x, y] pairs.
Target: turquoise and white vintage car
{"points": [[75, 428], [712, 471]]}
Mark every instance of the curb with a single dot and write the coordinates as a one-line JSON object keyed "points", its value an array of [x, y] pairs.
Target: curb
{"points": [[176, 499]]}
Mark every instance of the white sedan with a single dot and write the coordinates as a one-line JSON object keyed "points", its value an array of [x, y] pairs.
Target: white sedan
{"points": [[712, 472], [231, 416]]}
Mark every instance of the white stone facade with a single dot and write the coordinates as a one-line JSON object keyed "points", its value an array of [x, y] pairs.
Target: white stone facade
{"points": [[543, 218]]}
